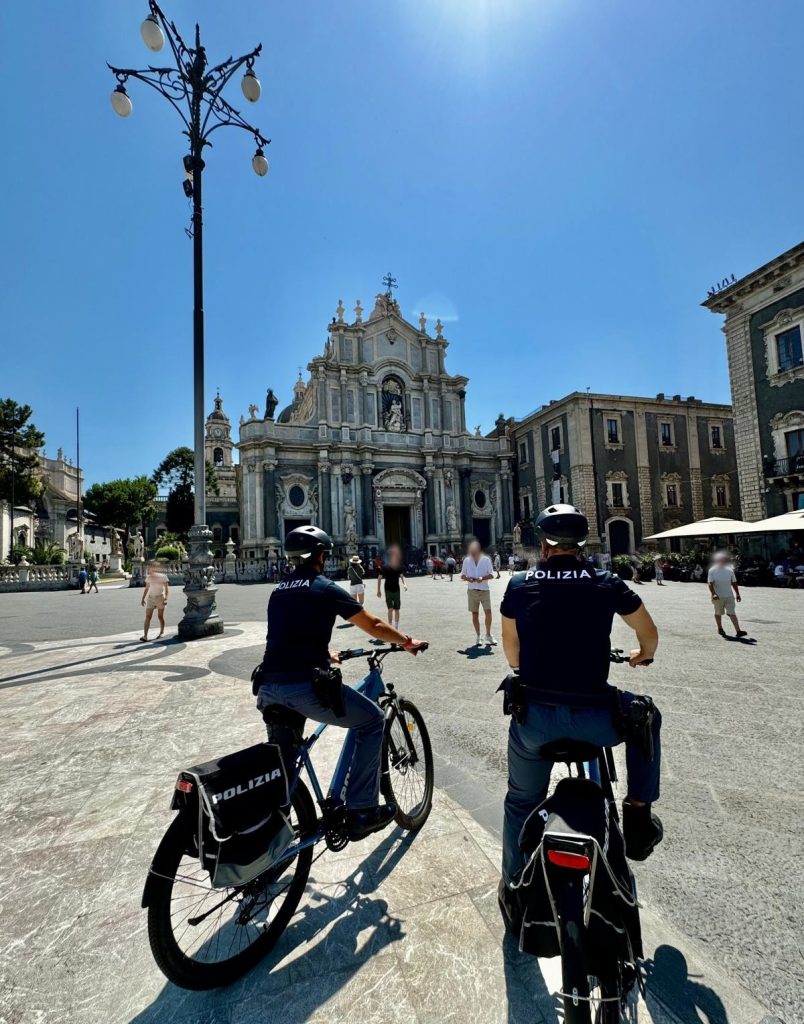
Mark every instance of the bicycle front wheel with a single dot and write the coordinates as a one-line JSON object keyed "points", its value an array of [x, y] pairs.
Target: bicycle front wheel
{"points": [[204, 938], [407, 775]]}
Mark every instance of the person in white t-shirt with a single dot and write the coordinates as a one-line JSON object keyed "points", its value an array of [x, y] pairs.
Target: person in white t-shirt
{"points": [[511, 565], [476, 571], [724, 590]]}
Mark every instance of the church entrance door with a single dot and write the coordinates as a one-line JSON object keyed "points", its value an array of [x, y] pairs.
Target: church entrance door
{"points": [[481, 528], [397, 525]]}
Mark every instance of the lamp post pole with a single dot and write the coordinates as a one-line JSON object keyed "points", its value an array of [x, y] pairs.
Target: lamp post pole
{"points": [[194, 90]]}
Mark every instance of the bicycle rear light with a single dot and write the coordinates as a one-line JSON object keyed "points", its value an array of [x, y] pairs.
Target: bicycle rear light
{"points": [[561, 859], [184, 786]]}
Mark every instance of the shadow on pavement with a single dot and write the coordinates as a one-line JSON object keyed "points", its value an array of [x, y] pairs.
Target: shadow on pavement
{"points": [[476, 652], [525, 987], [750, 640], [361, 928], [668, 983]]}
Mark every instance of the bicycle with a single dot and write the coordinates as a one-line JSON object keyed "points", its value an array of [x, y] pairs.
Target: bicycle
{"points": [[599, 957], [244, 923]]}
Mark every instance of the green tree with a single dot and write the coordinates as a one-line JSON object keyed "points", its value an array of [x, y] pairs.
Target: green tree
{"points": [[20, 442], [122, 502], [176, 472]]}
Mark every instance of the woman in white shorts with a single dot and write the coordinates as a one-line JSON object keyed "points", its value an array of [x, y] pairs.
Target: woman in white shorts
{"points": [[356, 573], [154, 599]]}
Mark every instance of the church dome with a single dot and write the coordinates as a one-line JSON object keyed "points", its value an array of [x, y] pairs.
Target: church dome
{"points": [[284, 416]]}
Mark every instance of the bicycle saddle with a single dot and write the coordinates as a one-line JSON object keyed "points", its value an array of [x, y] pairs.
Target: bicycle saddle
{"points": [[279, 715], [569, 751]]}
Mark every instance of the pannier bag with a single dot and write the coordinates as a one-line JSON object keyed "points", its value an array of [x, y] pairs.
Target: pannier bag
{"points": [[243, 813], [577, 809]]}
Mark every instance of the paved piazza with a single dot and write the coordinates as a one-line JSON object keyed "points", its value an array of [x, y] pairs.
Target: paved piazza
{"points": [[94, 729]]}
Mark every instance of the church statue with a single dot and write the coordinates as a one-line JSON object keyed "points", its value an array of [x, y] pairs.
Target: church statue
{"points": [[114, 541], [349, 524], [252, 410], [478, 432], [394, 418], [517, 535], [452, 519], [340, 311], [75, 546], [139, 545], [271, 402], [439, 329], [359, 312]]}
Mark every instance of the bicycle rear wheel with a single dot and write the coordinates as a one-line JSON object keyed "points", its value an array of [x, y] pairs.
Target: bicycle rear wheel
{"points": [[407, 760], [204, 938], [587, 999]]}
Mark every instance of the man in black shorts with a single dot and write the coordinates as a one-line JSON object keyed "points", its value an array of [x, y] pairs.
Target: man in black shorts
{"points": [[393, 572], [301, 613]]}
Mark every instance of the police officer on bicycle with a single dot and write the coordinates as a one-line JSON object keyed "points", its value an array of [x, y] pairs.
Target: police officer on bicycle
{"points": [[296, 670], [556, 625]]}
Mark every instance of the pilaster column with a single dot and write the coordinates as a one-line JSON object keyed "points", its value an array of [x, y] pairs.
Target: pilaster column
{"points": [[644, 489], [344, 416], [462, 396], [428, 421], [440, 522], [694, 456], [506, 525], [336, 484]]}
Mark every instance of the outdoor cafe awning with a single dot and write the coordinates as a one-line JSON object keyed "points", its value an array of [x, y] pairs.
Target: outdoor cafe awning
{"points": [[715, 526], [778, 524]]}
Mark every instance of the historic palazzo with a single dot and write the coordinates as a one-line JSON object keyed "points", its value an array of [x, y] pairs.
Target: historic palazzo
{"points": [[374, 447]]}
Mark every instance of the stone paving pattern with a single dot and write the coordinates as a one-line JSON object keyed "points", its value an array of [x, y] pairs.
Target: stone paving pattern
{"points": [[94, 730]]}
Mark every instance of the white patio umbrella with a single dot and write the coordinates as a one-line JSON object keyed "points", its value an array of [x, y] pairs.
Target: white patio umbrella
{"points": [[715, 526], [779, 524]]}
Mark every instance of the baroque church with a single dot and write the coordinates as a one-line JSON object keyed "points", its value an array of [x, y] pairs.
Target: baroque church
{"points": [[373, 448]]}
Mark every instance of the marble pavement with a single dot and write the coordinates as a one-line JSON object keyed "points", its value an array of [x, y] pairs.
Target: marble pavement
{"points": [[397, 928]]}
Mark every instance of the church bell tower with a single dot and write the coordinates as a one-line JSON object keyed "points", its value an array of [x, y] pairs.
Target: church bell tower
{"points": [[218, 446]]}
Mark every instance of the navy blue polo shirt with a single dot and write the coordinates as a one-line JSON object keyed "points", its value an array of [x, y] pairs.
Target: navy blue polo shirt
{"points": [[564, 610], [301, 613]]}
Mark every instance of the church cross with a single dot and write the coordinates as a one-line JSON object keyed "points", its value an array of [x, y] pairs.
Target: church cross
{"points": [[390, 282]]}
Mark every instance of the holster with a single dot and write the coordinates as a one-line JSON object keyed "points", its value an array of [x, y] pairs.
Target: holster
{"points": [[328, 688], [515, 697], [256, 679], [634, 717]]}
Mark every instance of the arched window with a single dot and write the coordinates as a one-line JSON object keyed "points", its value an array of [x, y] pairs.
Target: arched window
{"points": [[217, 457]]}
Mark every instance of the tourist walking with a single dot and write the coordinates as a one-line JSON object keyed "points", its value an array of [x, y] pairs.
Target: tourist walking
{"points": [[657, 565], [497, 564], [451, 566], [82, 580], [724, 591], [511, 564], [154, 599], [92, 576], [476, 572], [393, 574], [356, 573]]}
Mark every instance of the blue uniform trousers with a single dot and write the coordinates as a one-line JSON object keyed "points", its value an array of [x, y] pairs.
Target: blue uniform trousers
{"points": [[529, 773], [363, 716]]}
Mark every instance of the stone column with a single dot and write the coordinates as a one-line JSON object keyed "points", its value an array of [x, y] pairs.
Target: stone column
{"points": [[747, 442], [336, 485], [466, 500], [269, 488], [462, 396], [368, 501], [344, 416], [325, 498], [428, 424], [506, 524], [430, 526], [259, 522]]}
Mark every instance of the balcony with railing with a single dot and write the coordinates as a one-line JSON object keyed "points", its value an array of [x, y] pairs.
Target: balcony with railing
{"points": [[792, 466]]}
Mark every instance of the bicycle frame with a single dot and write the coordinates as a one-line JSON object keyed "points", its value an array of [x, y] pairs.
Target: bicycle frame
{"points": [[373, 687]]}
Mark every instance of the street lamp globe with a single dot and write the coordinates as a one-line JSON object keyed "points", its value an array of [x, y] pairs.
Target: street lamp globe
{"points": [[251, 86], [120, 102], [151, 33], [260, 163]]}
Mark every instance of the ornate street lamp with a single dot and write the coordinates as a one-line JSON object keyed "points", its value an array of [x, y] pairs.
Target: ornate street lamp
{"points": [[194, 90]]}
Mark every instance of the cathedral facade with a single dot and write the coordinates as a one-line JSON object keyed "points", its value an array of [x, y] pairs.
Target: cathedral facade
{"points": [[373, 448]]}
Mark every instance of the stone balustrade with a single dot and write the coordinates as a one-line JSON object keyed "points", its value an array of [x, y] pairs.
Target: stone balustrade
{"points": [[35, 577]]}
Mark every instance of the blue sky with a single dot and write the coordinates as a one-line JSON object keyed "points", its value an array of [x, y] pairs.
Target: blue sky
{"points": [[565, 178]]}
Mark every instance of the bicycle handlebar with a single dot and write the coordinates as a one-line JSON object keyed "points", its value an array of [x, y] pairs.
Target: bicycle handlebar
{"points": [[619, 657], [366, 652]]}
